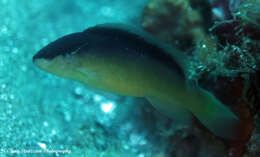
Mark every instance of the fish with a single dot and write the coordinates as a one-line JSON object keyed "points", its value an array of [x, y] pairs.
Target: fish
{"points": [[128, 61]]}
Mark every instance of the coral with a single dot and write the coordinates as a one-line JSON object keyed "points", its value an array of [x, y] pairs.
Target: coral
{"points": [[247, 10], [224, 55], [174, 22]]}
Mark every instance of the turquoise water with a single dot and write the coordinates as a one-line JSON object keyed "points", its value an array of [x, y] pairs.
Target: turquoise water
{"points": [[45, 115]]}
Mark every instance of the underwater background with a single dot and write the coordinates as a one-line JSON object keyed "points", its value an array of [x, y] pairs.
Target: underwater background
{"points": [[43, 115]]}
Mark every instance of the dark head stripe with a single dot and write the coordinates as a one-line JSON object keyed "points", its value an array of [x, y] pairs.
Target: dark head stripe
{"points": [[62, 46]]}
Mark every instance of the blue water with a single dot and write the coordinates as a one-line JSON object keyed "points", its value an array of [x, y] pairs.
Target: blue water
{"points": [[41, 113], [45, 115]]}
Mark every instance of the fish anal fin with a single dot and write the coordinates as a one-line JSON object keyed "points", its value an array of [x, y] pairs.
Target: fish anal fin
{"points": [[171, 110]]}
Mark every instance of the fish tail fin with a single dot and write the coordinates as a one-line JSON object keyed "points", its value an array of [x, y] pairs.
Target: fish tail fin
{"points": [[217, 117]]}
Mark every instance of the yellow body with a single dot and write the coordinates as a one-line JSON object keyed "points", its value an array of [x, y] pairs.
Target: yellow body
{"points": [[118, 74]]}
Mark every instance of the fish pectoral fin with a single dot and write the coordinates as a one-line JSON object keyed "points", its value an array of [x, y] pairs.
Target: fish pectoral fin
{"points": [[217, 117], [171, 110]]}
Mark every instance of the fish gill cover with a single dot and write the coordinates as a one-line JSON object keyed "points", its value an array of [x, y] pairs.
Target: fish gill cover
{"points": [[43, 115]]}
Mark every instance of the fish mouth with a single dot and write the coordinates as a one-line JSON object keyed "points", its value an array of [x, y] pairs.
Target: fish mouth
{"points": [[62, 46], [39, 55]]}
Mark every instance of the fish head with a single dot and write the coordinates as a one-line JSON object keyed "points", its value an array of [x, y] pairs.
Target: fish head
{"points": [[59, 57], [76, 57]]}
